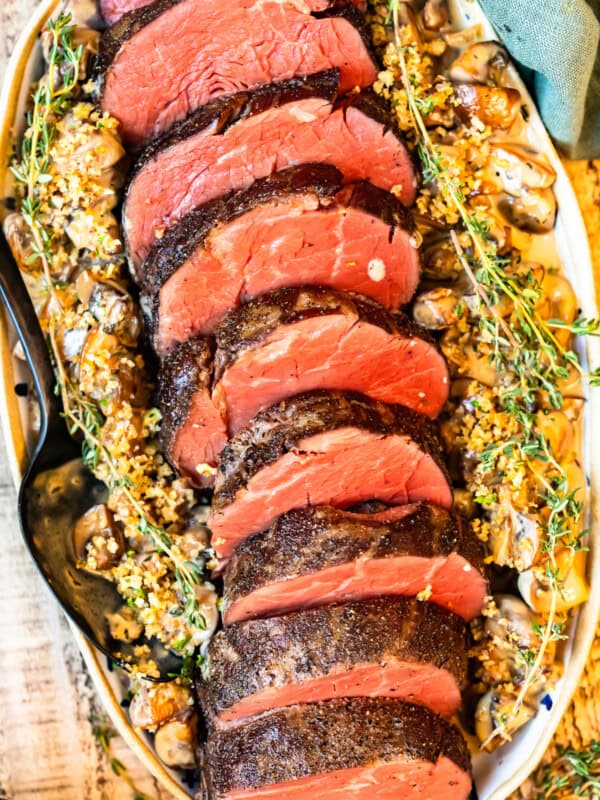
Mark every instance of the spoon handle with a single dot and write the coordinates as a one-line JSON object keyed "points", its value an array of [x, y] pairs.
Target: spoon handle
{"points": [[21, 312]]}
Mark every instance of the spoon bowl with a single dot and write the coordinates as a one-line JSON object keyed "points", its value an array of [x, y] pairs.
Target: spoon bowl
{"points": [[57, 489]]}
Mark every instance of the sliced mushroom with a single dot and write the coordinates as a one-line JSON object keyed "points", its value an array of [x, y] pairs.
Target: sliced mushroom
{"points": [[533, 211], [467, 361], [18, 237], [523, 539], [83, 37], [574, 590], [124, 625], [98, 539], [436, 309], [482, 62], [73, 342], [116, 312], [108, 371], [492, 105], [512, 623], [436, 14], [464, 37], [558, 431], [155, 703], [175, 741], [558, 301], [440, 261], [491, 713], [513, 167]]}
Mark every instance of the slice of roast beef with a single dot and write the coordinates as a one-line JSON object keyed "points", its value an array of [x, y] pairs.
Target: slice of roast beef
{"points": [[298, 339], [357, 749], [314, 556], [324, 447], [296, 226], [192, 433], [210, 49], [386, 647], [236, 140]]}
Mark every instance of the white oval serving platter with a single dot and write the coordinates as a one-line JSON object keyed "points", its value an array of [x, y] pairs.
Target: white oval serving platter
{"points": [[497, 774]]}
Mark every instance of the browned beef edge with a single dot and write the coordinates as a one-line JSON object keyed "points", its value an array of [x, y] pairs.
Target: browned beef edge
{"points": [[183, 239], [306, 540], [300, 741], [186, 369], [251, 323], [223, 112], [277, 430], [113, 39], [250, 656]]}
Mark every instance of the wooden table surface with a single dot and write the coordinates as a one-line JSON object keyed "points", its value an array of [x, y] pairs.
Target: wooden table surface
{"points": [[47, 700]]}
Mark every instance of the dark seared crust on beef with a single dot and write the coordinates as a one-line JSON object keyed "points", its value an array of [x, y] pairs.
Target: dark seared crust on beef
{"points": [[306, 540], [277, 431], [125, 28], [223, 112], [183, 239], [301, 741], [113, 39], [186, 369], [250, 656], [247, 326]]}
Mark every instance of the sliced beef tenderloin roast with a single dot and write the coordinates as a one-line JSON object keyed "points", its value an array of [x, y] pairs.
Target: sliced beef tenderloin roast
{"points": [[211, 48], [233, 141], [193, 433], [385, 647], [357, 749], [296, 226], [298, 339], [286, 343], [323, 447], [313, 556]]}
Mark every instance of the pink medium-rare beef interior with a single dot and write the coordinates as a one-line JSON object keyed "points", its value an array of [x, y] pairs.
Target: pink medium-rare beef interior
{"points": [[193, 52], [340, 467], [176, 179], [359, 749], [384, 647], [400, 778], [323, 447], [286, 244], [315, 556], [450, 582], [298, 225], [335, 351]]}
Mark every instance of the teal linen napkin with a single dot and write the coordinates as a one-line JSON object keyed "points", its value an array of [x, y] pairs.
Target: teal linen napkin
{"points": [[555, 45]]}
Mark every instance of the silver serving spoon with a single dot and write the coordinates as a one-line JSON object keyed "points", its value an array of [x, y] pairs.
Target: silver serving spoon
{"points": [[57, 489]]}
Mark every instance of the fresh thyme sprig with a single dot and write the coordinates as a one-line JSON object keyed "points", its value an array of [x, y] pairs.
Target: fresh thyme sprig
{"points": [[104, 735], [574, 774], [51, 100], [531, 357]]}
